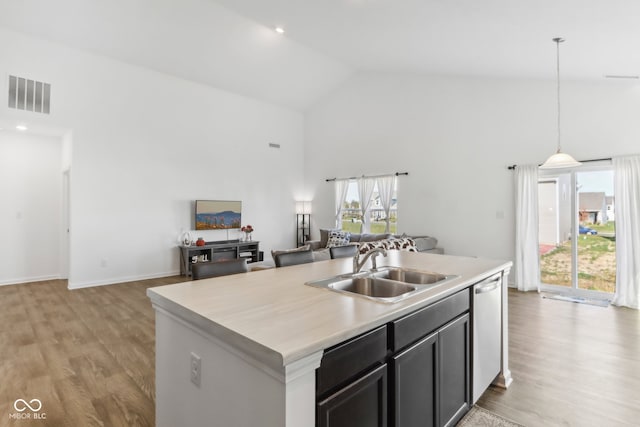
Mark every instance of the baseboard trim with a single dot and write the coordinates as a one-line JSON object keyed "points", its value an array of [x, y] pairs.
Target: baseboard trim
{"points": [[112, 281], [17, 281]]}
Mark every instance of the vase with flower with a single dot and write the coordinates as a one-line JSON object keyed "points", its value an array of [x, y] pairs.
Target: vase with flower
{"points": [[247, 229]]}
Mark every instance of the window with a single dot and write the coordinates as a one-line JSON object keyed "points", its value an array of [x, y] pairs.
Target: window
{"points": [[376, 219]]}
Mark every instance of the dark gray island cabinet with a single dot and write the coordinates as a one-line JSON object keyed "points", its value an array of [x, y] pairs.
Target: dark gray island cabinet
{"points": [[263, 349], [414, 371]]}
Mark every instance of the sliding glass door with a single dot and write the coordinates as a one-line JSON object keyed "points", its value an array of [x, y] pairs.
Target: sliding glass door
{"points": [[577, 229]]}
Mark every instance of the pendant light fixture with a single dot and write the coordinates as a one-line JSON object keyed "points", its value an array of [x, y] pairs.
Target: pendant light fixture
{"points": [[559, 159]]}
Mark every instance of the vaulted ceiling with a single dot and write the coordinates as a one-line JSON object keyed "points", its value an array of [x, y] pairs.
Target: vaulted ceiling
{"points": [[230, 44]]}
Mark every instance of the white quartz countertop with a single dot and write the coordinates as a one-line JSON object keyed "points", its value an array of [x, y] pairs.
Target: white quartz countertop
{"points": [[272, 316]]}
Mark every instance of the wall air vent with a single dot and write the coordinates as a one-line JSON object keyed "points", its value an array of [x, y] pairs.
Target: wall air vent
{"points": [[29, 95]]}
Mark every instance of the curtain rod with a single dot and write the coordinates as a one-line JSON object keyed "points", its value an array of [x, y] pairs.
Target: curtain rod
{"points": [[370, 176], [512, 167]]}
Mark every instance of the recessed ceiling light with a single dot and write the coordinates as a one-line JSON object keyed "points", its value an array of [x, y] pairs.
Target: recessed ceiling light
{"points": [[279, 30], [21, 127]]}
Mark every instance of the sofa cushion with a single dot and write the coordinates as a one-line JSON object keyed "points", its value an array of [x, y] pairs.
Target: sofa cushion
{"points": [[338, 238], [366, 237], [355, 237], [425, 243], [300, 249]]}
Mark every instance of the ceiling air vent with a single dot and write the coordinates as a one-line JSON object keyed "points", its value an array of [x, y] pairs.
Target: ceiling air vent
{"points": [[29, 95]]}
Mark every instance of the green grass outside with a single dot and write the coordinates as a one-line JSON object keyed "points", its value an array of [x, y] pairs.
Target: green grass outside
{"points": [[609, 228], [596, 263], [377, 227]]}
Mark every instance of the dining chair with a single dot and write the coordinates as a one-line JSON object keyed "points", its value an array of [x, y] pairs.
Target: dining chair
{"points": [[204, 270]]}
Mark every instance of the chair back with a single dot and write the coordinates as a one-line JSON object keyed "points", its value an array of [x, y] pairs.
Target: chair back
{"points": [[292, 258], [204, 270], [347, 251]]}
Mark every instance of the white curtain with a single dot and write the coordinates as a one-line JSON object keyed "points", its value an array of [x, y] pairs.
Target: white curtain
{"points": [[341, 194], [627, 201], [386, 184], [527, 258], [365, 191]]}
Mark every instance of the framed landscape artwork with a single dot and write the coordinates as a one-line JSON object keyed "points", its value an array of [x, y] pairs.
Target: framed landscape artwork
{"points": [[218, 214]]}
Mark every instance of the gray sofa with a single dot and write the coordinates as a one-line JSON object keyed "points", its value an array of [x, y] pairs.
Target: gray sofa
{"points": [[426, 244]]}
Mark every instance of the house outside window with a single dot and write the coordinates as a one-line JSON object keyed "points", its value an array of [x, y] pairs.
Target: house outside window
{"points": [[353, 217]]}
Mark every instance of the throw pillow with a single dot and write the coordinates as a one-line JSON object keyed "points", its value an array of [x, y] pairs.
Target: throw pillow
{"points": [[300, 249], [338, 238], [406, 244], [369, 246], [324, 236]]}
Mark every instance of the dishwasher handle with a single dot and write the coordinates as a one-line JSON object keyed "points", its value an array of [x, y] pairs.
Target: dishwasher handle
{"points": [[488, 286]]}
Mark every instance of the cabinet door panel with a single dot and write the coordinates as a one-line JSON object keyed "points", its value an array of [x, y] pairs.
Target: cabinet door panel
{"points": [[414, 379], [362, 403], [453, 357]]}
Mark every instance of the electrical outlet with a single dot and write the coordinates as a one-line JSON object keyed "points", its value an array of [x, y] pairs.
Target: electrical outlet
{"points": [[196, 369]]}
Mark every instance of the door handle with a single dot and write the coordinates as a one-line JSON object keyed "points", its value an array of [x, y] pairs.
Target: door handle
{"points": [[488, 287]]}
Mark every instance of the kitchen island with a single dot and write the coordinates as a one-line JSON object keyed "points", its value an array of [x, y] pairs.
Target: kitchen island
{"points": [[243, 350]]}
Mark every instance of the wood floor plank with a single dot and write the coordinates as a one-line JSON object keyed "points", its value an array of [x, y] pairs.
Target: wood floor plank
{"points": [[89, 355], [572, 364], [124, 406]]}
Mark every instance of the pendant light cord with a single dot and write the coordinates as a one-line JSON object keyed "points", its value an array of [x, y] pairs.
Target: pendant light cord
{"points": [[558, 40]]}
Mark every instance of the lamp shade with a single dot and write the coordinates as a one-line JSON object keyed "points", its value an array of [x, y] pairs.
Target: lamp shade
{"points": [[560, 160], [303, 207]]}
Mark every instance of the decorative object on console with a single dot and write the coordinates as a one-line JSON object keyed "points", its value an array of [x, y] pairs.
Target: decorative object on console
{"points": [[186, 239], [200, 242], [559, 159], [247, 229], [303, 222]]}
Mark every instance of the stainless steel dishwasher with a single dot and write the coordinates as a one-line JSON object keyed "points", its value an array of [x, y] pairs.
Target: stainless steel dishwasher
{"points": [[487, 315]]}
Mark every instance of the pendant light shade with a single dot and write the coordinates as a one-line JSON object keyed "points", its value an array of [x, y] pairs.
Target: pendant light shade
{"points": [[559, 159]]}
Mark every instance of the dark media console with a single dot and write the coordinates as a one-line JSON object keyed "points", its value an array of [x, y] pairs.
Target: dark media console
{"points": [[218, 251]]}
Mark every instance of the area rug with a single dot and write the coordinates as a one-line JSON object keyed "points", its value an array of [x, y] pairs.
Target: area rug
{"points": [[480, 417], [579, 300]]}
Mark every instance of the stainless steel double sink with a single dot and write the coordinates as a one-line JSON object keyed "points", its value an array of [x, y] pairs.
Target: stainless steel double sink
{"points": [[385, 284]]}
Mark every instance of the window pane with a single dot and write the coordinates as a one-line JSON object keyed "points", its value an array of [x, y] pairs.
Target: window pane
{"points": [[351, 215], [554, 231], [596, 232]]}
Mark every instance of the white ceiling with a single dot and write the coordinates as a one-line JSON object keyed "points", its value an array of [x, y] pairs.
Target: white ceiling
{"points": [[230, 43], [477, 37]]}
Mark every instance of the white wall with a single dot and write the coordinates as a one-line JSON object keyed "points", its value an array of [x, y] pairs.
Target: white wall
{"points": [[30, 195], [144, 146], [456, 137]]}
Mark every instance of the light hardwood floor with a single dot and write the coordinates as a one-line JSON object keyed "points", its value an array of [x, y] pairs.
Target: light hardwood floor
{"points": [[572, 364], [88, 355]]}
